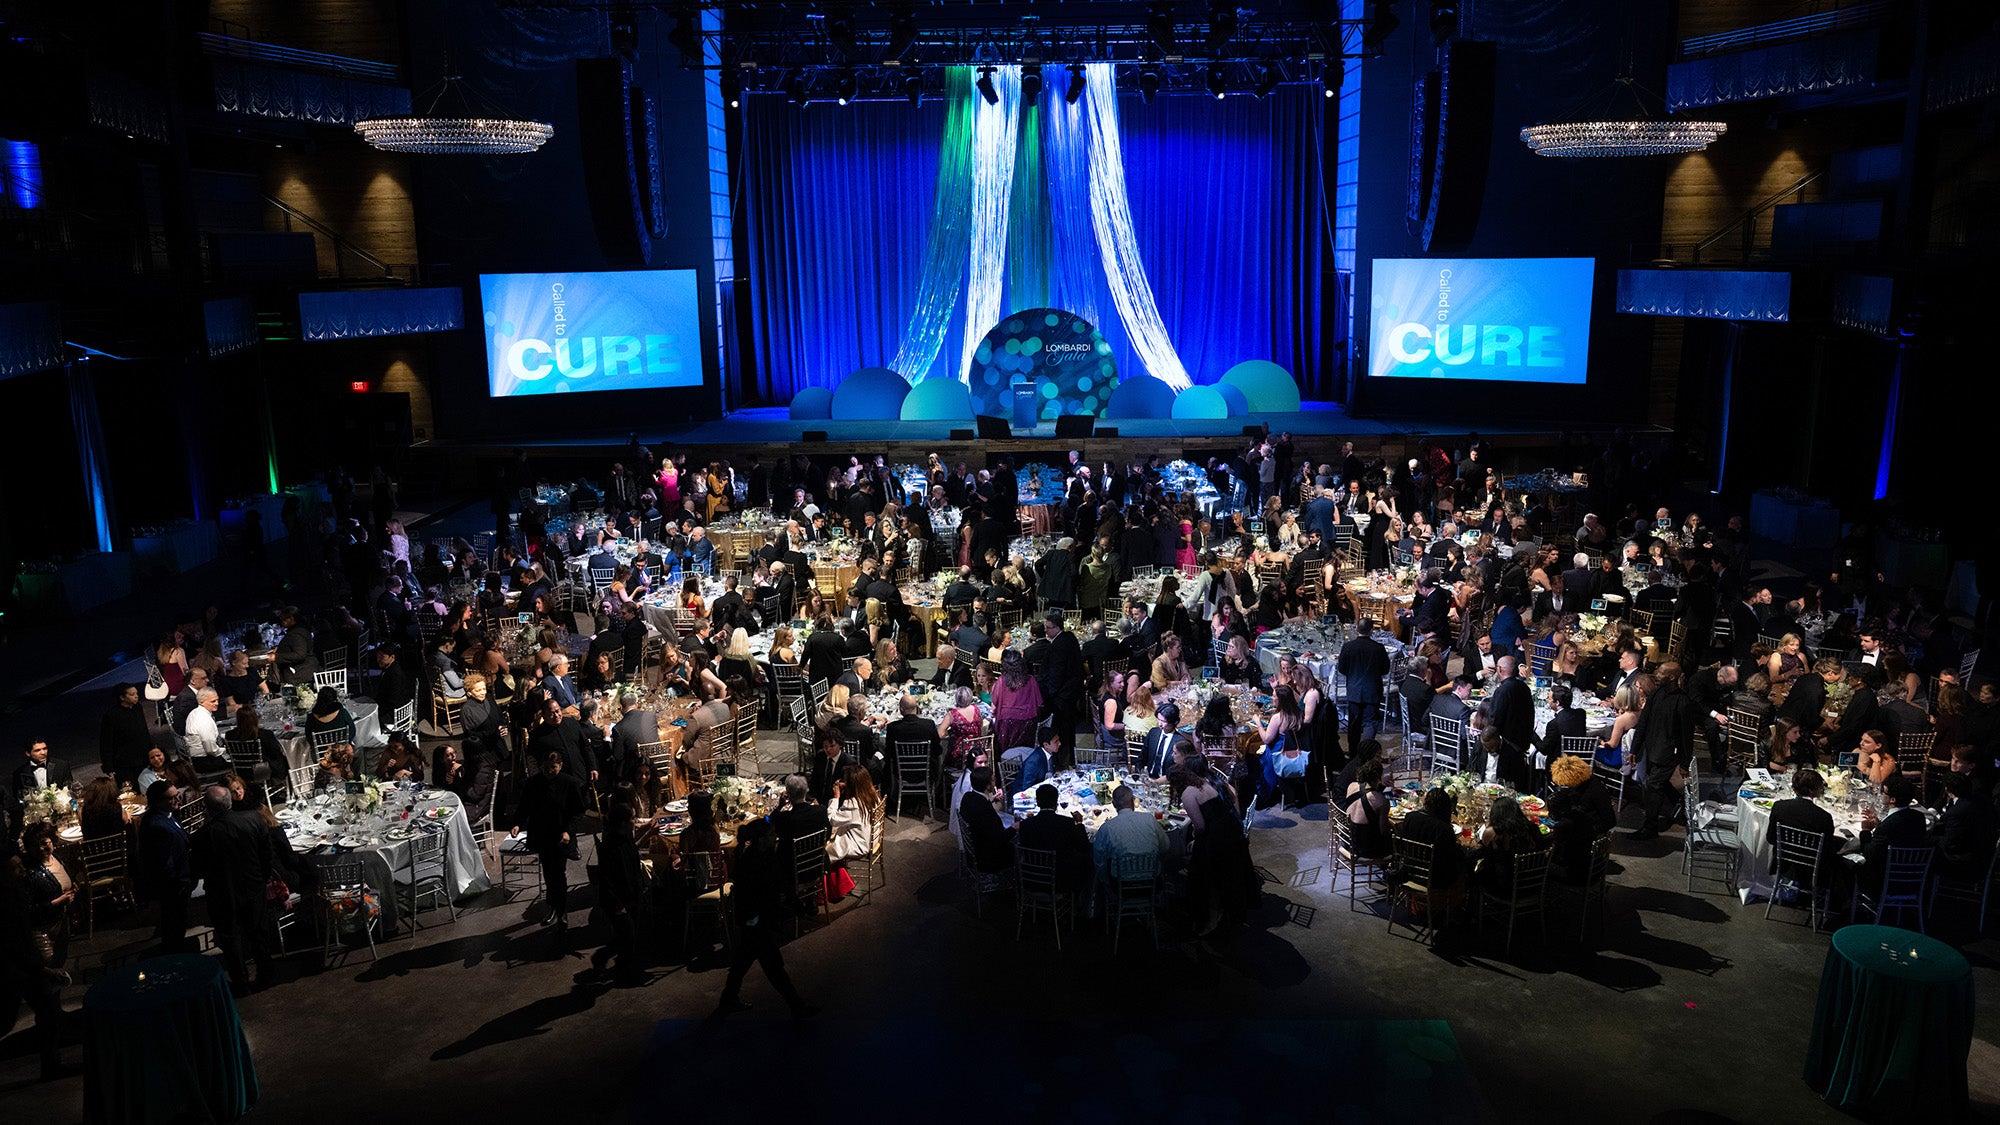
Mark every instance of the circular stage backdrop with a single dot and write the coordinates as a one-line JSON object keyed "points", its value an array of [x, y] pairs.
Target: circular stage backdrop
{"points": [[1062, 353]]}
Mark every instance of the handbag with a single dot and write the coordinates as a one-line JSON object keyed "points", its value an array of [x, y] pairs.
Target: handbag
{"points": [[276, 890], [1679, 780], [156, 683]]}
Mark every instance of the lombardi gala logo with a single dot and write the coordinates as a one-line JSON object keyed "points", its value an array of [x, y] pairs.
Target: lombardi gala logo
{"points": [[1064, 353]]}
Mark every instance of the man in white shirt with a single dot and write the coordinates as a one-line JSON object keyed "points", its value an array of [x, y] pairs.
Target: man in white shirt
{"points": [[203, 740], [1871, 644]]}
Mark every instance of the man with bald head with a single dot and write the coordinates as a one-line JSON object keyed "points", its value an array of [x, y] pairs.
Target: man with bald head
{"points": [[1514, 719]]}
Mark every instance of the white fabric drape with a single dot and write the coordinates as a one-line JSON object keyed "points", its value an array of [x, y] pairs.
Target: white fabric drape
{"points": [[1072, 243], [944, 250], [1117, 244], [995, 131]]}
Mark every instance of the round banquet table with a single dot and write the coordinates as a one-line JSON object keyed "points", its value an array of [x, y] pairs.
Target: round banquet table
{"points": [[1893, 1027], [162, 1042], [298, 748], [383, 849]]}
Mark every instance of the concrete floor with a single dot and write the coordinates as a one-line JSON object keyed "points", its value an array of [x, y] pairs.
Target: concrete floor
{"points": [[1692, 1008]]}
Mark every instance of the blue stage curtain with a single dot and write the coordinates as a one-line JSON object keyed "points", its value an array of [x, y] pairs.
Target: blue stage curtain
{"points": [[1225, 198], [837, 200]]}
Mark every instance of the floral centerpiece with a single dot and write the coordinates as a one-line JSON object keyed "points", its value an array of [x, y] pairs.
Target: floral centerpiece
{"points": [[303, 696], [53, 805], [731, 797], [1838, 694], [1837, 784], [1591, 624], [368, 798]]}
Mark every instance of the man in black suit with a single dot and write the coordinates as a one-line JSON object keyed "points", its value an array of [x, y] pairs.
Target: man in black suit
{"points": [[233, 856], [1965, 833], [1658, 599], [963, 591], [1567, 722], [1361, 665], [1576, 579], [1800, 812], [1095, 652], [638, 727], [992, 841], [1898, 716], [1629, 662], [727, 610], [1453, 705], [1432, 617], [912, 727], [39, 771], [187, 700], [1142, 635], [1062, 682], [1664, 737], [1860, 714], [1049, 830], [797, 814], [395, 686], [293, 658], [1744, 624], [1514, 718], [823, 651], [1712, 688], [1904, 827]]}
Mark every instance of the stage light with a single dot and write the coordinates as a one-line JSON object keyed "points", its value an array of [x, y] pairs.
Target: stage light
{"points": [[985, 86], [840, 31], [1267, 80], [845, 85], [686, 37], [795, 88], [732, 89], [1031, 81], [1149, 84], [1221, 26], [913, 86], [1217, 82], [902, 36], [1444, 20], [1076, 84], [1160, 29], [1382, 23], [1334, 76]]}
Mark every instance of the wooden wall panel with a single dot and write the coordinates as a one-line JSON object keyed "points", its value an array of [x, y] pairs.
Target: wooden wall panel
{"points": [[358, 191], [360, 29]]}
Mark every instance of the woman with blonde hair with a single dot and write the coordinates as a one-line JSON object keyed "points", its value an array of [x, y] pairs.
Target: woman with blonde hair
{"points": [[850, 817], [782, 642], [1169, 670], [1789, 662], [1628, 701], [1140, 714]]}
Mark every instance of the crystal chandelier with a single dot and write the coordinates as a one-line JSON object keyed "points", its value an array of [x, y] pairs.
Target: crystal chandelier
{"points": [[475, 134], [1621, 138], [1612, 129]]}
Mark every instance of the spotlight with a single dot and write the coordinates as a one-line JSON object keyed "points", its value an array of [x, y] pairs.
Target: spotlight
{"points": [[732, 89], [902, 36], [1031, 81], [1382, 23], [1160, 29], [913, 86], [795, 88], [1334, 76], [1076, 84], [1217, 82], [1267, 80], [1149, 84], [1221, 26], [985, 86], [845, 85]]}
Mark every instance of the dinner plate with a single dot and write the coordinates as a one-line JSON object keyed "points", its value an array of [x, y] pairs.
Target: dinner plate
{"points": [[72, 832], [287, 816], [441, 812], [680, 805], [354, 842]]}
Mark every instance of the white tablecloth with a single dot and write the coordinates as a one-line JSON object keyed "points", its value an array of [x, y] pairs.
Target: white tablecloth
{"points": [[367, 732], [382, 853], [1753, 859]]}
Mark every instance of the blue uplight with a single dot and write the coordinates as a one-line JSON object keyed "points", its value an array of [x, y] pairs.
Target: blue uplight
{"points": [[21, 173]]}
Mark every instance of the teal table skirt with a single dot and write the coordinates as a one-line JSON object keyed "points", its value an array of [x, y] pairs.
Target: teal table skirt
{"points": [[1894, 1026], [162, 1043]]}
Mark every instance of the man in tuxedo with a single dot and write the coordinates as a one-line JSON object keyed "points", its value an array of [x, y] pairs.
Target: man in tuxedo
{"points": [[1362, 663], [784, 592], [1807, 700], [1567, 722], [1514, 718], [1576, 579], [797, 814], [1058, 575], [1744, 624], [1095, 652], [638, 727], [1629, 662], [184, 703], [950, 672], [1712, 688], [1904, 827], [233, 856], [1142, 635], [1453, 704], [823, 651], [1062, 682], [1432, 616], [963, 590], [727, 610], [38, 770], [1037, 762], [1664, 738], [1802, 813], [855, 679], [1870, 639], [1861, 714], [1351, 467], [912, 727], [1049, 830]]}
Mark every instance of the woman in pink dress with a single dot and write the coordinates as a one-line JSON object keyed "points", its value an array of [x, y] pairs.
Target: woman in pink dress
{"points": [[670, 485], [1184, 557]]}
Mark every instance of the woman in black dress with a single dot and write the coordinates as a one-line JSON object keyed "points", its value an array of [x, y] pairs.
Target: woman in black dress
{"points": [[1222, 883], [551, 803]]}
